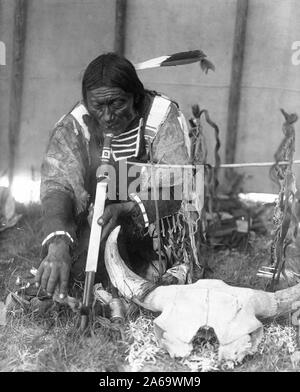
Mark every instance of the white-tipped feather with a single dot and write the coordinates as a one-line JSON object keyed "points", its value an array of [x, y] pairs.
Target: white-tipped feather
{"points": [[180, 58], [153, 63]]}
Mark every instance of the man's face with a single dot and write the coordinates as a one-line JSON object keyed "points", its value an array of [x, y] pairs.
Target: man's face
{"points": [[112, 108]]}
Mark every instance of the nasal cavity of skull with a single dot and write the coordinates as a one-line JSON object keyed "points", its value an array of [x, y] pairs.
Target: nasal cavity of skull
{"points": [[205, 335]]}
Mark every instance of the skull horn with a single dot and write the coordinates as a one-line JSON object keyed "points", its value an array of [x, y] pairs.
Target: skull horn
{"points": [[129, 284], [148, 295]]}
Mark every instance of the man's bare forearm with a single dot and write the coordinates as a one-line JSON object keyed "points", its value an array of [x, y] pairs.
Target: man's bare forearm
{"points": [[58, 213]]}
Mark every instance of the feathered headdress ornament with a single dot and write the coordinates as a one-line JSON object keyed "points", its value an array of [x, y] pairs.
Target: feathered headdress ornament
{"points": [[180, 58]]}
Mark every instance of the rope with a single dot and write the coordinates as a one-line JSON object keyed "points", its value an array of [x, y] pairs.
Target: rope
{"points": [[224, 165]]}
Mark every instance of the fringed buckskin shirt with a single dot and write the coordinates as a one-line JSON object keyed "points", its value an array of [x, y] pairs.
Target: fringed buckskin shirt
{"points": [[68, 172]]}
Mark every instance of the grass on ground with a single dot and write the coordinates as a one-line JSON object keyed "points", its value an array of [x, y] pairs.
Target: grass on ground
{"points": [[53, 343]]}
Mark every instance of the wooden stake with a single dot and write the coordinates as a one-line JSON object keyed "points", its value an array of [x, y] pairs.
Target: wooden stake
{"points": [[236, 78], [119, 45], [16, 87]]}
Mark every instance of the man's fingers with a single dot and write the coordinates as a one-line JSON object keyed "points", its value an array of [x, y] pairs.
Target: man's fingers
{"points": [[104, 219], [100, 221], [45, 276], [39, 273], [53, 273], [64, 279], [91, 213], [107, 229], [52, 281]]}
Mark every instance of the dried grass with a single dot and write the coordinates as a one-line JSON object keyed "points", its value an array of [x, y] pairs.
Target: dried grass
{"points": [[33, 343], [144, 347]]}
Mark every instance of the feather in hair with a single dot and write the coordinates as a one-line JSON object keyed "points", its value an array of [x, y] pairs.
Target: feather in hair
{"points": [[180, 58]]}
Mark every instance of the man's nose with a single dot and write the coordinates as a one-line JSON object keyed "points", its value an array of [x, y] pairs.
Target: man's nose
{"points": [[108, 114]]}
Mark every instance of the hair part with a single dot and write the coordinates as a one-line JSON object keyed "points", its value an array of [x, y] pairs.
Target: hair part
{"points": [[113, 70]]}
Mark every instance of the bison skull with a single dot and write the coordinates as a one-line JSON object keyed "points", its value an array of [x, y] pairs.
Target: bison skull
{"points": [[233, 312]]}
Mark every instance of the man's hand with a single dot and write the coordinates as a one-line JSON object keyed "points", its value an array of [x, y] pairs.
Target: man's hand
{"points": [[55, 268], [112, 213]]}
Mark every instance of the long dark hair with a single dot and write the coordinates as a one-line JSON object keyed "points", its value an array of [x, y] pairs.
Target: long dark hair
{"points": [[113, 70]]}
